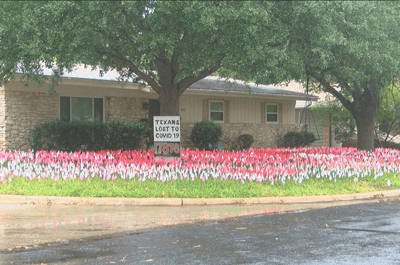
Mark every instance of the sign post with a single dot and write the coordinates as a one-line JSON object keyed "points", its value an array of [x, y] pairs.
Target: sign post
{"points": [[167, 136]]}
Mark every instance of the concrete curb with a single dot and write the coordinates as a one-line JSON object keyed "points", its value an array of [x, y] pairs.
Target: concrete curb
{"points": [[52, 200]]}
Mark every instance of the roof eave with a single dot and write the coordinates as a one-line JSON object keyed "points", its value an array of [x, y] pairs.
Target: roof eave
{"points": [[296, 97]]}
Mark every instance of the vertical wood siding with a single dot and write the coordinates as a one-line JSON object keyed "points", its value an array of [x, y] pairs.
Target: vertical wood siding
{"points": [[313, 127], [241, 109]]}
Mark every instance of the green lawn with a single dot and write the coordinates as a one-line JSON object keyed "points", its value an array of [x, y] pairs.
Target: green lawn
{"points": [[96, 187]]}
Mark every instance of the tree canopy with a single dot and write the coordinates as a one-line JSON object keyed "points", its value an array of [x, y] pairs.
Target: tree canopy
{"points": [[350, 49], [387, 118], [169, 45]]}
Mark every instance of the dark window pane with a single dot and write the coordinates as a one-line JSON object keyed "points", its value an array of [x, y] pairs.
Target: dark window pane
{"points": [[272, 108], [81, 109], [217, 116], [272, 117], [217, 106], [98, 109], [65, 109]]}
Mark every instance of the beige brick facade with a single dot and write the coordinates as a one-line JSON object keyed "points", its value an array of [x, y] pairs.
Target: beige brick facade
{"points": [[119, 108], [21, 111], [23, 106], [265, 135]]}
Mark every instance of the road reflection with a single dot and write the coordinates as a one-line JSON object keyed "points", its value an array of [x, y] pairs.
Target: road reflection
{"points": [[30, 225]]}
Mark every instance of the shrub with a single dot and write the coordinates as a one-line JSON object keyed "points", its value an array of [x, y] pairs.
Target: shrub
{"points": [[230, 143], [291, 139], [245, 141], [126, 135], [205, 134], [307, 138], [91, 135], [297, 139]]}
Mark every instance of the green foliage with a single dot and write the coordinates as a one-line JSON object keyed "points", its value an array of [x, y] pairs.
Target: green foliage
{"points": [[133, 188], [307, 138], [88, 135], [388, 116], [297, 139], [245, 141], [205, 134], [292, 139], [349, 49], [185, 40], [340, 119]]}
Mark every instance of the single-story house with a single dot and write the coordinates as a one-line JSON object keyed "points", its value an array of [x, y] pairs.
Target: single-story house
{"points": [[266, 114]]}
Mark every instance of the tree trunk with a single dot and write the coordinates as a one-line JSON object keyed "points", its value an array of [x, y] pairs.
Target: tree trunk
{"points": [[364, 109], [169, 102], [365, 131]]}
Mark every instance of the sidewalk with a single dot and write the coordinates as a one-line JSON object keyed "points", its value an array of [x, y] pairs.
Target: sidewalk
{"points": [[52, 200], [28, 221]]}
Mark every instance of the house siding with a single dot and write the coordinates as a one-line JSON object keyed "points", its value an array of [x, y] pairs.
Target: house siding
{"points": [[244, 116], [23, 111], [265, 135], [24, 105], [241, 109], [124, 108], [317, 124]]}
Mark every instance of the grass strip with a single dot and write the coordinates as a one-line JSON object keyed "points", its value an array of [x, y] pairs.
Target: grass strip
{"points": [[96, 187]]}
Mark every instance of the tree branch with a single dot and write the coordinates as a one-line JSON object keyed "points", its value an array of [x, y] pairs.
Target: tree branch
{"points": [[164, 71], [390, 129], [188, 81], [174, 64], [331, 90], [122, 60]]}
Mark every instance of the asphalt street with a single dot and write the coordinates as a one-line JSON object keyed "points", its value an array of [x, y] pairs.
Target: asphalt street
{"points": [[365, 233]]}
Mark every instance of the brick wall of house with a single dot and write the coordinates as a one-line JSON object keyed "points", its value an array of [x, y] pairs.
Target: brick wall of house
{"points": [[22, 112], [265, 135], [128, 108]]}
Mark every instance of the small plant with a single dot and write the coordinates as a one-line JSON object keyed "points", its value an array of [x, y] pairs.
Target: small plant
{"points": [[245, 141], [205, 135], [297, 139], [307, 138], [230, 144]]}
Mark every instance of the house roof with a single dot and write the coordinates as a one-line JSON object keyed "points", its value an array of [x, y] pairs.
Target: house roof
{"points": [[216, 84], [209, 84], [87, 73]]}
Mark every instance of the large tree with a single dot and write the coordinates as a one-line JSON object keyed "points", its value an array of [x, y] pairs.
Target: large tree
{"points": [[168, 45], [349, 49], [387, 118]]}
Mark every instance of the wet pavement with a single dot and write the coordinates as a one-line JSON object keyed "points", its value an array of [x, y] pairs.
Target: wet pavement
{"points": [[323, 233], [27, 225]]}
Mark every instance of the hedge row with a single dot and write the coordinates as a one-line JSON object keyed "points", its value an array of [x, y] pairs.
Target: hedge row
{"points": [[92, 135], [128, 135]]}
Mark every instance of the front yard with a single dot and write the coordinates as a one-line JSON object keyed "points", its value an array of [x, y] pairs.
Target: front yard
{"points": [[200, 174]]}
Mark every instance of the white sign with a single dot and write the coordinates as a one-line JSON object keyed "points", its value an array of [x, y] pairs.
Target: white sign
{"points": [[167, 128]]}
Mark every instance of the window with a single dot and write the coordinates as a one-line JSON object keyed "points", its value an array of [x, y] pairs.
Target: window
{"points": [[81, 109], [272, 113], [217, 111]]}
